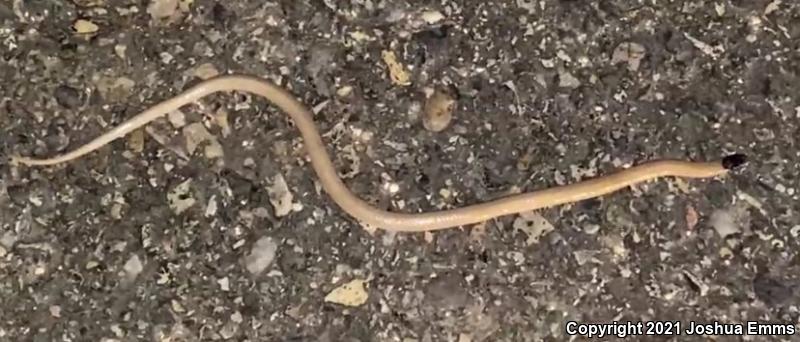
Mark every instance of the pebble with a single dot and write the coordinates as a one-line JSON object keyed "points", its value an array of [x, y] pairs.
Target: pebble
{"points": [[397, 71], [432, 17], [630, 53], [161, 9], [179, 198], [591, 229], [68, 97], [55, 311], [344, 91], [177, 118], [567, 80], [83, 26], [723, 221], [795, 232], [120, 51], [228, 330], [205, 71], [261, 255], [133, 267], [236, 317], [224, 284], [438, 112], [136, 140], [211, 207], [517, 257], [534, 225], [281, 197]]}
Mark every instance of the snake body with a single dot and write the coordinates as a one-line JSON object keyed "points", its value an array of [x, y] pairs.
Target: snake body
{"points": [[397, 221]]}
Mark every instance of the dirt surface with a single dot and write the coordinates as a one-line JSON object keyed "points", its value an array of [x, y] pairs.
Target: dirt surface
{"points": [[209, 225]]}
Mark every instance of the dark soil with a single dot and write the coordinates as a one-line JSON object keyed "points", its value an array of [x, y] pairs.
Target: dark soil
{"points": [[94, 250]]}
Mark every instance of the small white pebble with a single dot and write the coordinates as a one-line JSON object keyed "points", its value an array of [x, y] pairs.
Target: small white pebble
{"points": [[561, 149], [261, 255], [166, 58], [517, 257], [795, 231], [133, 266], [388, 239], [367, 136], [754, 21], [224, 284], [176, 118], [120, 50], [344, 91], [228, 330], [719, 8], [55, 311], [119, 246], [591, 229], [567, 80], [177, 306], [211, 208], [35, 200], [563, 56], [238, 244], [163, 278], [724, 222], [432, 17], [117, 330], [236, 317]]}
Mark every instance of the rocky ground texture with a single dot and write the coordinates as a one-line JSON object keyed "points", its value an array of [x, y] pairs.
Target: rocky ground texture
{"points": [[209, 224]]}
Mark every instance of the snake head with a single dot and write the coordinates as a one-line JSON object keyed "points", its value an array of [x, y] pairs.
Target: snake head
{"points": [[734, 161]]}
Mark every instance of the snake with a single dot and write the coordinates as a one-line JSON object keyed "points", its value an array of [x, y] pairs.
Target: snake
{"points": [[387, 220]]}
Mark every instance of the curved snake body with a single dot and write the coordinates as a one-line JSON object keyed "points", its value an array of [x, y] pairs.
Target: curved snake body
{"points": [[394, 221]]}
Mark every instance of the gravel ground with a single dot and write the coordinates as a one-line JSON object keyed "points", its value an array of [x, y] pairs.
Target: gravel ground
{"points": [[209, 224]]}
